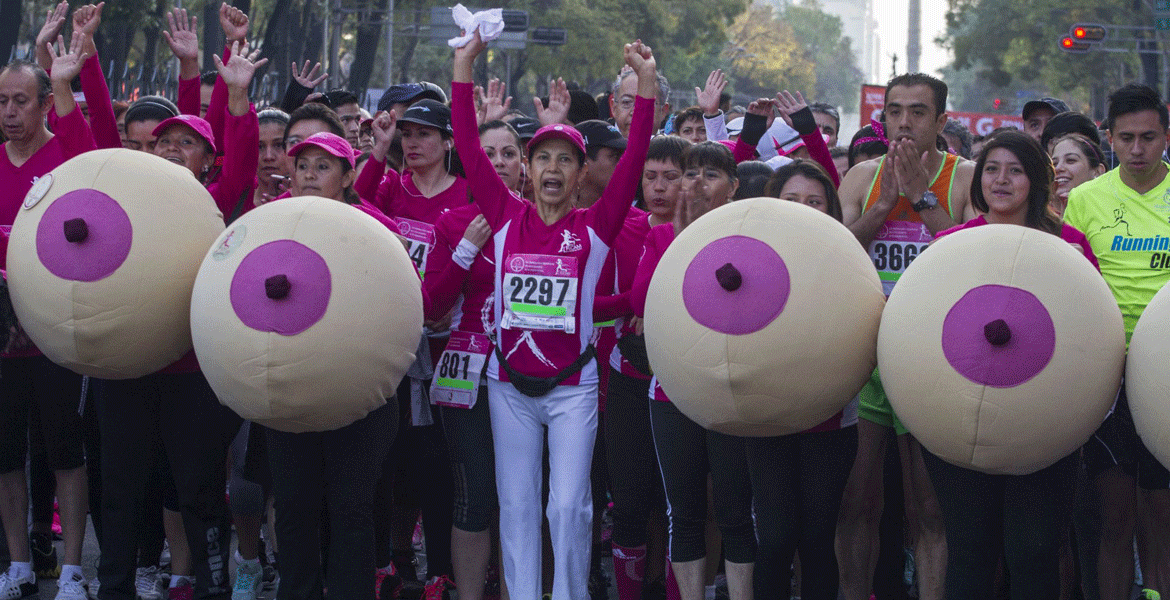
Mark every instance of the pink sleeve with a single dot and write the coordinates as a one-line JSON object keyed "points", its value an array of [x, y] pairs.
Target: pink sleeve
{"points": [[101, 108], [444, 280], [188, 98], [241, 158], [743, 151], [607, 308], [217, 110], [74, 134], [367, 182], [491, 193], [819, 151], [610, 210], [651, 254]]}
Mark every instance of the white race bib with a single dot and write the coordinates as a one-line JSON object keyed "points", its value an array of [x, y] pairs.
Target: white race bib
{"points": [[540, 293], [895, 246], [420, 237], [456, 381]]}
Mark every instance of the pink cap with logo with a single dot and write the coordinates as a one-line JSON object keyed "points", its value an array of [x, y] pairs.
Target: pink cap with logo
{"points": [[558, 132], [202, 127], [329, 142]]}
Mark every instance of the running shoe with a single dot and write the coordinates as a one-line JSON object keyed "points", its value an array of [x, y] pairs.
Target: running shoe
{"points": [[183, 591], [148, 585], [249, 580], [94, 587], [72, 588], [14, 589], [44, 555], [1148, 594], [387, 580], [440, 587]]}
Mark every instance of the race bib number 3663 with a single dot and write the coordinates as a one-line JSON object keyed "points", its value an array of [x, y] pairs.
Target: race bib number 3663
{"points": [[895, 246], [540, 292]]}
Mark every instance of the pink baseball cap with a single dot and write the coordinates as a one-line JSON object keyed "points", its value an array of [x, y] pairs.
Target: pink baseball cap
{"points": [[557, 131], [329, 142], [202, 127]]}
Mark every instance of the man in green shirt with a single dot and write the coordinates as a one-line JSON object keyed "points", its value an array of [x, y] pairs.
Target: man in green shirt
{"points": [[1125, 214]]}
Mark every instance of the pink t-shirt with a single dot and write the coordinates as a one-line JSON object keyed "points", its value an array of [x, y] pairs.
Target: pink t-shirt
{"points": [[451, 282], [1068, 233], [546, 276]]}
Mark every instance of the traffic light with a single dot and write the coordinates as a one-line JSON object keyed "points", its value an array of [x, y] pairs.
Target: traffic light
{"points": [[1087, 32], [1068, 44]]}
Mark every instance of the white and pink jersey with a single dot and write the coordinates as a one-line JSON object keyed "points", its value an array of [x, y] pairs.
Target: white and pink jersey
{"points": [[627, 251], [546, 276]]}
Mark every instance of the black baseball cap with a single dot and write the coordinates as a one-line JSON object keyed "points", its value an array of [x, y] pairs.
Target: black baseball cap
{"points": [[1053, 104], [409, 93], [431, 113], [600, 133], [525, 127]]}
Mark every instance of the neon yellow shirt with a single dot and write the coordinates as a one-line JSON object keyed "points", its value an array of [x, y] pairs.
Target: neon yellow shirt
{"points": [[1130, 234]]}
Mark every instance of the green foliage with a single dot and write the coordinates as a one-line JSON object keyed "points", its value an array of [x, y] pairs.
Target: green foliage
{"points": [[837, 77], [1003, 45]]}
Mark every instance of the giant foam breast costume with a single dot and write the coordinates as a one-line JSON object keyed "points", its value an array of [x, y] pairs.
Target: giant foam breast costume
{"points": [[762, 318], [306, 315], [1001, 349], [102, 259], [1146, 384]]}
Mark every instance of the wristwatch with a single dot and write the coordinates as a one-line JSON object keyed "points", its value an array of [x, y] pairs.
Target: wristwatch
{"points": [[929, 200]]}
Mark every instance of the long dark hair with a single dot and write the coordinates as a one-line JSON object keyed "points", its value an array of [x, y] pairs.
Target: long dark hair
{"points": [[1037, 166], [808, 170]]}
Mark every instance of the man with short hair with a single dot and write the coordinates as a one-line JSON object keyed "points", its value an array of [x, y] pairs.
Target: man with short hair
{"points": [[1037, 113], [828, 121], [345, 104], [1123, 206], [27, 94], [894, 205], [604, 145], [621, 103]]}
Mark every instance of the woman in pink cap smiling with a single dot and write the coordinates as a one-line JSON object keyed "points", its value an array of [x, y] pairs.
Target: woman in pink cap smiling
{"points": [[548, 257], [188, 140]]}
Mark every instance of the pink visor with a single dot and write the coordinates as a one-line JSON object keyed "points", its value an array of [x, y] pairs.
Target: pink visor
{"points": [[203, 128], [331, 143], [558, 132]]}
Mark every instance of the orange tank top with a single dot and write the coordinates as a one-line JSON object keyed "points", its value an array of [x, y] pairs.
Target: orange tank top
{"points": [[903, 236]]}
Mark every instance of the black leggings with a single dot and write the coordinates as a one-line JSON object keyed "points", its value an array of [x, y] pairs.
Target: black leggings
{"points": [[798, 481], [195, 430], [636, 487], [686, 454], [1024, 515], [332, 471]]}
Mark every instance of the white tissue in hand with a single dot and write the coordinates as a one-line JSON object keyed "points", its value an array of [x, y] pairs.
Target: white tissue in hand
{"points": [[489, 22]]}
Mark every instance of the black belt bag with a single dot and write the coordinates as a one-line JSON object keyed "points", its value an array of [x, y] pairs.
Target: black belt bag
{"points": [[633, 349], [535, 387]]}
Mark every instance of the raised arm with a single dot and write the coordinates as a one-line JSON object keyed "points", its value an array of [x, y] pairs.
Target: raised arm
{"points": [[242, 132], [708, 100], [491, 193], [611, 209], [798, 116], [102, 122], [72, 130], [301, 84], [54, 22], [181, 35]]}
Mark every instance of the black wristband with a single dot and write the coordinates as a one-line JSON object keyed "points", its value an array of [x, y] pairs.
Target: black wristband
{"points": [[754, 127], [803, 121]]}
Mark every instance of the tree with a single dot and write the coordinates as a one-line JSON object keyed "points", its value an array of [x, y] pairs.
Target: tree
{"points": [[1012, 43], [763, 55], [837, 76]]}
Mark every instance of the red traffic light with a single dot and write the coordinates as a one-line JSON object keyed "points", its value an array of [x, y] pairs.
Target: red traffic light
{"points": [[1070, 45], [1087, 32]]}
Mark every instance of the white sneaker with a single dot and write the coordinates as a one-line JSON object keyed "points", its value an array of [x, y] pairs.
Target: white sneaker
{"points": [[148, 585], [72, 589], [14, 589], [94, 587], [249, 580]]}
